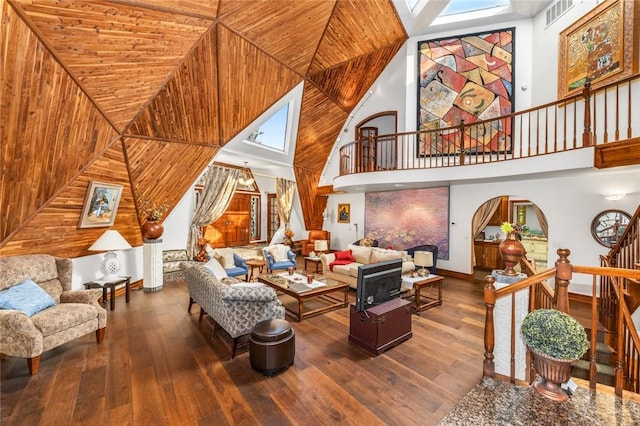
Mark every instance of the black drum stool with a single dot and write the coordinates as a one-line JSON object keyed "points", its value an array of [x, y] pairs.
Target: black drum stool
{"points": [[272, 346]]}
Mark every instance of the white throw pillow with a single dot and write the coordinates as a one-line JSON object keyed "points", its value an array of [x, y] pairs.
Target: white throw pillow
{"points": [[360, 254], [279, 252], [379, 255], [227, 257], [216, 269]]}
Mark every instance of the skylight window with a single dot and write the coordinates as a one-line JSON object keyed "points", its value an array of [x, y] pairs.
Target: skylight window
{"points": [[272, 133], [464, 6]]}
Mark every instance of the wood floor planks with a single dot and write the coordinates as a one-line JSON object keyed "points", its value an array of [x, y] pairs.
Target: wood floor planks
{"points": [[159, 365]]}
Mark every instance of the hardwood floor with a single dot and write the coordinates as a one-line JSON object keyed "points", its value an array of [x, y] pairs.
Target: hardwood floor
{"points": [[159, 366]]}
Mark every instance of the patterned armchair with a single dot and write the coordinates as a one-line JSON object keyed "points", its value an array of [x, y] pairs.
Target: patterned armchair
{"points": [[171, 260], [235, 307], [74, 314], [279, 256]]}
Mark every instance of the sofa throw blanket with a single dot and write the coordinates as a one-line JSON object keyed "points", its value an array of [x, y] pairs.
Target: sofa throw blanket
{"points": [[342, 258]]}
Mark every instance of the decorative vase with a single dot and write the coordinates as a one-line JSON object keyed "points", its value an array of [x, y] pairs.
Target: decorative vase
{"points": [[553, 372], [512, 251], [152, 229], [288, 242]]}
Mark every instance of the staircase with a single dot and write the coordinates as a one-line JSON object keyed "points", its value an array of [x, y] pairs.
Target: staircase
{"points": [[605, 360]]}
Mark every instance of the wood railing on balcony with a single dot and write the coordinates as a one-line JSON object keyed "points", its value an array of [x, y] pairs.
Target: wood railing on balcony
{"points": [[541, 296], [593, 117]]}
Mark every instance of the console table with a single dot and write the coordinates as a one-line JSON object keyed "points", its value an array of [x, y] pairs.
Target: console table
{"points": [[111, 284]]}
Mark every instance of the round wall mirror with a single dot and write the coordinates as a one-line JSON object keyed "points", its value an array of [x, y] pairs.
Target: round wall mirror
{"points": [[608, 226]]}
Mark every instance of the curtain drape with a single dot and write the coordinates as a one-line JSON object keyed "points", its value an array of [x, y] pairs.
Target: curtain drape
{"points": [[285, 190], [218, 189], [481, 219], [542, 220]]}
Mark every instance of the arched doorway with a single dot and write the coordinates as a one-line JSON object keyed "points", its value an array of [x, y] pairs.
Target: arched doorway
{"points": [[487, 235], [373, 153]]}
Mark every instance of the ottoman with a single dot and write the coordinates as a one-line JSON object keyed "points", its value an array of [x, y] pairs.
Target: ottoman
{"points": [[272, 346]]}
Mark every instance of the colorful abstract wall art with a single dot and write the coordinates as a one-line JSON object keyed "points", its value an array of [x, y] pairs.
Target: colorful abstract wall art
{"points": [[409, 218], [466, 78]]}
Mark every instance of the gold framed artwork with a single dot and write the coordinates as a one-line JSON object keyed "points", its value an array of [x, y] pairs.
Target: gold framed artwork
{"points": [[100, 205], [601, 47], [344, 213]]}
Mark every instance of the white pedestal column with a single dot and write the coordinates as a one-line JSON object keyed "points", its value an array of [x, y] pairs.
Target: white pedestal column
{"points": [[502, 324], [152, 265]]}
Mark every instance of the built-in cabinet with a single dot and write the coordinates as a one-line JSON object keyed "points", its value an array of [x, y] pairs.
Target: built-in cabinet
{"points": [[536, 249], [233, 227], [487, 255]]}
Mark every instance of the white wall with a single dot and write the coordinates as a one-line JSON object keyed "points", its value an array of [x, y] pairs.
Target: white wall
{"points": [[570, 203], [544, 53]]}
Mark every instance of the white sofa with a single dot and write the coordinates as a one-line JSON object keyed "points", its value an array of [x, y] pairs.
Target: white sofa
{"points": [[363, 256]]}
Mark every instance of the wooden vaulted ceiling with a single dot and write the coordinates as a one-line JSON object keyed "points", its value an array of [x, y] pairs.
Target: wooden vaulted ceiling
{"points": [[144, 93]]}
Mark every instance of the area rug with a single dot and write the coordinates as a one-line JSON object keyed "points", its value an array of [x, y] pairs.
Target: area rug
{"points": [[494, 402]]}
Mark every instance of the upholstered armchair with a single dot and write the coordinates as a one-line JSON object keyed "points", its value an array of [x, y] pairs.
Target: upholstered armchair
{"points": [[233, 264], [426, 247], [235, 307], [62, 315], [308, 245], [279, 256]]}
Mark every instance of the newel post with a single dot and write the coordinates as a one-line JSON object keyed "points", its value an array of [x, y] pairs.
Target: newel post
{"points": [[587, 137], [488, 366], [563, 277]]}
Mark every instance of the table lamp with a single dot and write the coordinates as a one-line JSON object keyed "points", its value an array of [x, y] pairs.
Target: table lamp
{"points": [[109, 241], [320, 246], [423, 259]]}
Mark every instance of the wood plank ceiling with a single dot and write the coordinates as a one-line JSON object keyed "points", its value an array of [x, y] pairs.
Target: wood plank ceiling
{"points": [[144, 94]]}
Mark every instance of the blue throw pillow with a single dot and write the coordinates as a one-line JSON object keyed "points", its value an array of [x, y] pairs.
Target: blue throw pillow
{"points": [[27, 297]]}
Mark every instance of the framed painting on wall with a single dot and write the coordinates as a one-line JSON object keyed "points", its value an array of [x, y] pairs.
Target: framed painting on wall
{"points": [[409, 218], [344, 213], [599, 48], [468, 79], [100, 205]]}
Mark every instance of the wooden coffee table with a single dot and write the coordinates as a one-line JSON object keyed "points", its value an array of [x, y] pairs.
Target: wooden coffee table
{"points": [[421, 300], [296, 287]]}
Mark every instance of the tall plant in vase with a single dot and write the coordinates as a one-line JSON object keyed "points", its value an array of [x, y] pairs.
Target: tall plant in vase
{"points": [[511, 249], [150, 214], [288, 237]]}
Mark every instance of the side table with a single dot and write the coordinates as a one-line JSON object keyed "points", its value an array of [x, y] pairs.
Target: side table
{"points": [[315, 260], [422, 301], [111, 284], [253, 264]]}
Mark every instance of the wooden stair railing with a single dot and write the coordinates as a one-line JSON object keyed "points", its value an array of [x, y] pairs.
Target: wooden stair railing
{"points": [[619, 298], [627, 362]]}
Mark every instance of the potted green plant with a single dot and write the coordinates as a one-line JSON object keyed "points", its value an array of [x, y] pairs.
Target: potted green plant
{"points": [[556, 340]]}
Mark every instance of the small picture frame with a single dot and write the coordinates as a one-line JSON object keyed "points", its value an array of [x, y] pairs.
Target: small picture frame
{"points": [[344, 213], [100, 205]]}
